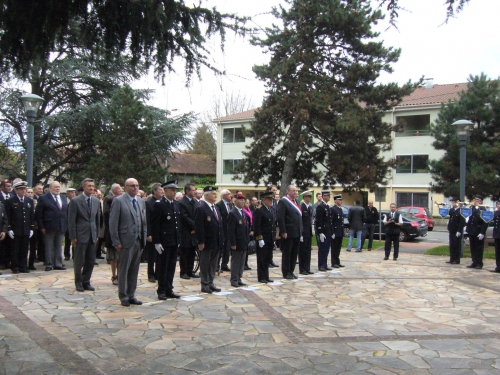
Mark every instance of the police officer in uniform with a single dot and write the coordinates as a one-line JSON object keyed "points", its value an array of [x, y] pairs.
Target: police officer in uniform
{"points": [[165, 220], [4, 223], [323, 225], [496, 237], [337, 230], [21, 214], [305, 245], [476, 227], [456, 226], [264, 226]]}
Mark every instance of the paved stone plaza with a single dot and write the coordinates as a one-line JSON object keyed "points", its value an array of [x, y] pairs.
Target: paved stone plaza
{"points": [[415, 316]]}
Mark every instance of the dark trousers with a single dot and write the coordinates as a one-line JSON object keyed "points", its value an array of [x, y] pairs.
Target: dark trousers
{"points": [[336, 245], [305, 255], [368, 231], [32, 256], [19, 256], [237, 264], [67, 246], [225, 255], [323, 250], [264, 258], [40, 246], [497, 253], [208, 264], [476, 250], [152, 256], [6, 250], [186, 260], [455, 243], [390, 239], [84, 262], [289, 252], [98, 249], [167, 261]]}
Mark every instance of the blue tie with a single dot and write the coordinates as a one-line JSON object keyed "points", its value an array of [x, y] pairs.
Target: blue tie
{"points": [[134, 202]]}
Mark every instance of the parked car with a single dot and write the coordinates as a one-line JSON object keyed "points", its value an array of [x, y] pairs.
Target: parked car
{"points": [[420, 212], [412, 227], [489, 233]]}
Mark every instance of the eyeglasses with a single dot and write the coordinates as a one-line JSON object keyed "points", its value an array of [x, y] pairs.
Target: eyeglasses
{"points": [[133, 186]]}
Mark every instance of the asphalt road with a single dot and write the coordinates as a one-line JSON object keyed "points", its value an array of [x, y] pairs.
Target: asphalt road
{"points": [[438, 237]]}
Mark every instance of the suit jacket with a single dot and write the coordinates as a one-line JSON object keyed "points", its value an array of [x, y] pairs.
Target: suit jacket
{"points": [[476, 225], [165, 223], [2, 199], [392, 228], [186, 208], [21, 216], [337, 221], [238, 229], [125, 227], [289, 219], [209, 229], [307, 216], [82, 224], [496, 228], [49, 216], [224, 214], [150, 205], [4, 221], [264, 224], [457, 221], [356, 217]]}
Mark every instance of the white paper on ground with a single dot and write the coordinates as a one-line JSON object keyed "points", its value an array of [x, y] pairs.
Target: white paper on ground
{"points": [[222, 293], [334, 271], [317, 275], [192, 298], [275, 283]]}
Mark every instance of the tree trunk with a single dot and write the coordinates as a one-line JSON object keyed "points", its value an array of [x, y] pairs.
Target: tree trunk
{"points": [[290, 161]]}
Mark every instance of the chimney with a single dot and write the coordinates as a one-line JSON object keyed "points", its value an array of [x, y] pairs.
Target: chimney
{"points": [[429, 83]]}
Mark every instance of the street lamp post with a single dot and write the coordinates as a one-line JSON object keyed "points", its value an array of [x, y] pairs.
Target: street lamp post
{"points": [[462, 135], [31, 104]]}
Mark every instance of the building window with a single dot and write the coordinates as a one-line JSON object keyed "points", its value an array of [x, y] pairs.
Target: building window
{"points": [[233, 135], [412, 199], [412, 163], [410, 126], [230, 166]]}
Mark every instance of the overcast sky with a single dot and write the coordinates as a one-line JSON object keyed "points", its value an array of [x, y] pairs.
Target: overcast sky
{"points": [[448, 53]]}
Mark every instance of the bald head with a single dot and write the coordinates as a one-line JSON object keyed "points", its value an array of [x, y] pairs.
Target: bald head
{"points": [[131, 187]]}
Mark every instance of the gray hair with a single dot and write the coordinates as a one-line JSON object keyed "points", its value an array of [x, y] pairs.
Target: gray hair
{"points": [[85, 180], [155, 187]]}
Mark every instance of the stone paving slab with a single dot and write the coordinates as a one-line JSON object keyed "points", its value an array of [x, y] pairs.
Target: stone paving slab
{"points": [[414, 316]]}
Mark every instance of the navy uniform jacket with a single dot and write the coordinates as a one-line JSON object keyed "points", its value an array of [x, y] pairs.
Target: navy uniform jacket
{"points": [[209, 230], [238, 229], [496, 228], [476, 225], [457, 221], [49, 216], [289, 219], [21, 216], [150, 204], [337, 220], [165, 223], [4, 221], [323, 221], [306, 220], [223, 214], [264, 223], [186, 208]]}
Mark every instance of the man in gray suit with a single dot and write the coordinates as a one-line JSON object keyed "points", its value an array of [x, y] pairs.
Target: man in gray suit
{"points": [[83, 227], [357, 219], [128, 230]]}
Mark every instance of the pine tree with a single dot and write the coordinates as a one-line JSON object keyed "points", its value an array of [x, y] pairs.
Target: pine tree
{"points": [[204, 142]]}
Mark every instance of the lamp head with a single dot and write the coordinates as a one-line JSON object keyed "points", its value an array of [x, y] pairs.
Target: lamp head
{"points": [[462, 126], [31, 102]]}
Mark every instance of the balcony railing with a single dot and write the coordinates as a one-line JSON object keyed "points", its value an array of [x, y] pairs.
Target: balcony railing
{"points": [[413, 133]]}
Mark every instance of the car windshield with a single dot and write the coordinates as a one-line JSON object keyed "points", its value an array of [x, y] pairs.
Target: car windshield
{"points": [[427, 212]]}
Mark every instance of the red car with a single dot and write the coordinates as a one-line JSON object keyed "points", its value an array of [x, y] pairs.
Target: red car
{"points": [[419, 212]]}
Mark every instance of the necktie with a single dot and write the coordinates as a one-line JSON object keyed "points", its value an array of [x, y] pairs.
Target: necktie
{"points": [[215, 212], [57, 202], [22, 200], [89, 205], [134, 202]]}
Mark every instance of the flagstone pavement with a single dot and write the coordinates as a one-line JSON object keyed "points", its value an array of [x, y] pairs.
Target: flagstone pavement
{"points": [[414, 316]]}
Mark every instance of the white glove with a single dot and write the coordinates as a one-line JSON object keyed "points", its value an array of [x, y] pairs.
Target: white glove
{"points": [[322, 237], [480, 236], [31, 233], [159, 248], [459, 234], [465, 231], [261, 243], [11, 234], [333, 236], [301, 239]]}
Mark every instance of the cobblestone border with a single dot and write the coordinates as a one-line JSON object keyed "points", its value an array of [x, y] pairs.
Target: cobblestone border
{"points": [[65, 357]]}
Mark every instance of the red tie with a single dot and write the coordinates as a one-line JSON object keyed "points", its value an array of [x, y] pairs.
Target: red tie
{"points": [[215, 212]]}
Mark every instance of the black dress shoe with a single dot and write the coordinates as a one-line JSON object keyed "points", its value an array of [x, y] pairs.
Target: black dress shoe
{"points": [[96, 263], [310, 273], [247, 268], [194, 275], [15, 272], [134, 301], [214, 288], [479, 267], [340, 265], [235, 285], [386, 258], [456, 262], [241, 283], [172, 294], [99, 257], [270, 280], [66, 258], [449, 262], [88, 287], [329, 269], [48, 268], [266, 281], [272, 264], [151, 279], [304, 273], [60, 268], [394, 258], [125, 303], [162, 297], [495, 270], [472, 265], [32, 268], [295, 276], [289, 277], [225, 268], [322, 269], [25, 271], [185, 277], [79, 287], [206, 290]]}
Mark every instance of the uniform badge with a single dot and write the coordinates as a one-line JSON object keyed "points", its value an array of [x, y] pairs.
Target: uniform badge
{"points": [[29, 205], [465, 212], [444, 212], [168, 217], [487, 216], [240, 222], [209, 218]]}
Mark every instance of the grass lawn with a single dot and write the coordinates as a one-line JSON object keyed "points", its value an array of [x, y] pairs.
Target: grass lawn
{"points": [[345, 241], [445, 251]]}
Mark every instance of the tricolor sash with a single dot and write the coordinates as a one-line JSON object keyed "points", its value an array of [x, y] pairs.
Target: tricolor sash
{"points": [[292, 203]]}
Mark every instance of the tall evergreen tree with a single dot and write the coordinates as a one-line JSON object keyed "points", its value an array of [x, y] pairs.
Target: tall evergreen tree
{"points": [[204, 142], [320, 122], [480, 103]]}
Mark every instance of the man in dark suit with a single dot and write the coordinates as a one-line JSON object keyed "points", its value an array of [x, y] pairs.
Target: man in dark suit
{"points": [[52, 218], [369, 227], [264, 223], [290, 224], [210, 237], [4, 223], [496, 237], [165, 220], [392, 224], [151, 252], [323, 225], [276, 197], [305, 245], [83, 227], [337, 230], [456, 226], [187, 205], [6, 245], [254, 204], [357, 219], [128, 231], [38, 235], [225, 205], [476, 227], [238, 233], [21, 215]]}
